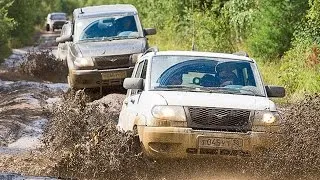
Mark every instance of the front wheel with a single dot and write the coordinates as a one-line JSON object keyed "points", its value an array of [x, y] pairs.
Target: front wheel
{"points": [[136, 144], [47, 27]]}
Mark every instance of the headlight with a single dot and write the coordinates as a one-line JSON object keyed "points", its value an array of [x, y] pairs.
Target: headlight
{"points": [[83, 62], [266, 118], [169, 116]]}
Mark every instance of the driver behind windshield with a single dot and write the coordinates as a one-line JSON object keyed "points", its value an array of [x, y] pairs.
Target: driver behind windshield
{"points": [[126, 24], [227, 77]]}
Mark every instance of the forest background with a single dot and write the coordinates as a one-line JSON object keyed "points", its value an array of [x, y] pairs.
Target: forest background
{"points": [[283, 36]]}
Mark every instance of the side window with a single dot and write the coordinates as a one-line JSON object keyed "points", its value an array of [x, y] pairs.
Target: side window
{"points": [[137, 75], [248, 77], [139, 70], [144, 70]]}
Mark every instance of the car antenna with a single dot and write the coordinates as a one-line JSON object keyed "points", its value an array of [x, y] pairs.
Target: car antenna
{"points": [[193, 28]]}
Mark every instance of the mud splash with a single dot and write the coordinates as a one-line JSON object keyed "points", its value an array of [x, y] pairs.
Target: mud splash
{"points": [[82, 142], [43, 65], [84, 137], [297, 155]]}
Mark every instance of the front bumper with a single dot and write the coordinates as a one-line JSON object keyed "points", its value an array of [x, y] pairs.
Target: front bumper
{"points": [[98, 78], [174, 142]]}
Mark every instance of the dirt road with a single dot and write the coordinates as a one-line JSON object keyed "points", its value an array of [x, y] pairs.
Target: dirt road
{"points": [[47, 131]]}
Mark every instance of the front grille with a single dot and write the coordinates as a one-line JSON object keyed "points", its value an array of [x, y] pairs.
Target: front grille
{"points": [[234, 120], [60, 23], [113, 61]]}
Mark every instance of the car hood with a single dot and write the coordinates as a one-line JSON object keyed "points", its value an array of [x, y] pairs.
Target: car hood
{"points": [[216, 100], [114, 47]]}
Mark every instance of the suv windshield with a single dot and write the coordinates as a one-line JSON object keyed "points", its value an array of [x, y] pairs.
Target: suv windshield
{"points": [[209, 74], [107, 28]]}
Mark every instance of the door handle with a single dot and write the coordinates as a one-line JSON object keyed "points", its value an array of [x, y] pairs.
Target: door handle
{"points": [[125, 102]]}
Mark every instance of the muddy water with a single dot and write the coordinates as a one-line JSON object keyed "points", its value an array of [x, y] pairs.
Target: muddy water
{"points": [[46, 130], [23, 112]]}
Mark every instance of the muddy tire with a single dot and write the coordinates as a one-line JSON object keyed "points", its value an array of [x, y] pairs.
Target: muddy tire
{"points": [[71, 86], [47, 27], [136, 145]]}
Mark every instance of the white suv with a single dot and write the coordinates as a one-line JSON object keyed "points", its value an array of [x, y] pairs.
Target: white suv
{"points": [[187, 103]]}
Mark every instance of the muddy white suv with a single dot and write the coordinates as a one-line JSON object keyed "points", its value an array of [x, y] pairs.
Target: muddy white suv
{"points": [[186, 103]]}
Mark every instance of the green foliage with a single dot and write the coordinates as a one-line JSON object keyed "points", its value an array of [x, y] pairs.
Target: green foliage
{"points": [[6, 25], [273, 27], [24, 12]]}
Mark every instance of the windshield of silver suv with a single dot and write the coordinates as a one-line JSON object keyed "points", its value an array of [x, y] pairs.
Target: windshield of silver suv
{"points": [[208, 74], [61, 16], [109, 27]]}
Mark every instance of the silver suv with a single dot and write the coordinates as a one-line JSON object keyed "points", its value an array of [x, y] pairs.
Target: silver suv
{"points": [[187, 103], [98, 45]]}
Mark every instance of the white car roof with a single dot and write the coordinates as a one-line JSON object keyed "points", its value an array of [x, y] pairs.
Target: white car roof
{"points": [[198, 53]]}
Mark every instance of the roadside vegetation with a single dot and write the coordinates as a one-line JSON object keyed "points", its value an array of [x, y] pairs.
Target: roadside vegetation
{"points": [[283, 36]]}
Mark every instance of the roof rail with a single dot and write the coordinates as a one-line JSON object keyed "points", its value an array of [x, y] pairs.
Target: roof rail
{"points": [[151, 49], [241, 53]]}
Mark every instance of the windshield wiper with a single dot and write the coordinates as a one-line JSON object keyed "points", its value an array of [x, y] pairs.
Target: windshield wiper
{"points": [[95, 39], [177, 87], [252, 92], [217, 89], [228, 90]]}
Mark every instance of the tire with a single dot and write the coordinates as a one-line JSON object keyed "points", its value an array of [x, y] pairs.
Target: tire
{"points": [[52, 29], [47, 27], [69, 82], [136, 146]]}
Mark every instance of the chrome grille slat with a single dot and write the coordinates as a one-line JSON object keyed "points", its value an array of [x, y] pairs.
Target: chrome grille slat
{"points": [[112, 61], [218, 119]]}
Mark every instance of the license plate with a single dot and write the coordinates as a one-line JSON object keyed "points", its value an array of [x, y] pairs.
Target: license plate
{"points": [[225, 143], [114, 75]]}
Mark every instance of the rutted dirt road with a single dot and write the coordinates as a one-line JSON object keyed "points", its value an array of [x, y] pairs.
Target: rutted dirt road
{"points": [[46, 130]]}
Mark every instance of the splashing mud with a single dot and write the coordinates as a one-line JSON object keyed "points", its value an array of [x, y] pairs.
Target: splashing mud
{"points": [[42, 64], [85, 138], [82, 141]]}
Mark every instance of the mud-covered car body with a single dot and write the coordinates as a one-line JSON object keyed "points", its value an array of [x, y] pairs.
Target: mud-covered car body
{"points": [[55, 20], [99, 48], [197, 116]]}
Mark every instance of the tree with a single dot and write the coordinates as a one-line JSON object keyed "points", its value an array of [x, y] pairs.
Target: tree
{"points": [[6, 25], [273, 27]]}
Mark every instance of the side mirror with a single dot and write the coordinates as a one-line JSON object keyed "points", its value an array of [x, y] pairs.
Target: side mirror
{"points": [[134, 58], [64, 38], [133, 83], [66, 33], [275, 91], [150, 31]]}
